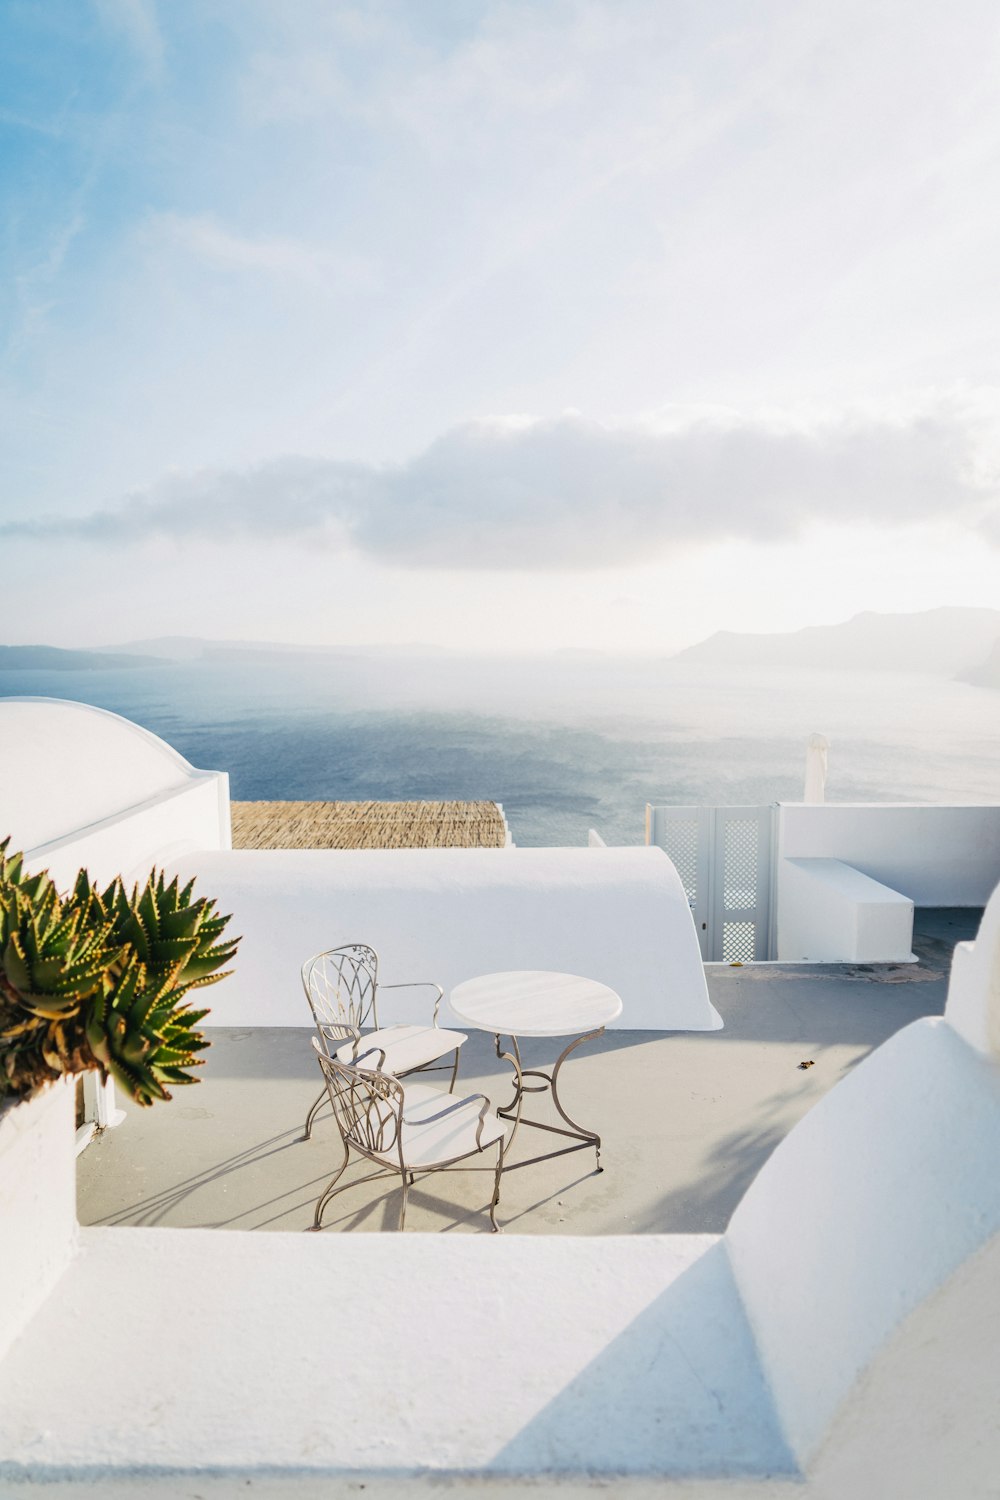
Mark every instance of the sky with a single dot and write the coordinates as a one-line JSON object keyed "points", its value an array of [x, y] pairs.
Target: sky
{"points": [[499, 326]]}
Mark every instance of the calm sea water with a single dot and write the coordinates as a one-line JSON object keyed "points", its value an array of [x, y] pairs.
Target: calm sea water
{"points": [[565, 743]]}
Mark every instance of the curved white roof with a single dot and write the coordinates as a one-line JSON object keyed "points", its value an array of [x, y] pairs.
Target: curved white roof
{"points": [[65, 766]]}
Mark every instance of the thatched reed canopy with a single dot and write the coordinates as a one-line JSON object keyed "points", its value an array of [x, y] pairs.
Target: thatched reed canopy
{"points": [[368, 825]]}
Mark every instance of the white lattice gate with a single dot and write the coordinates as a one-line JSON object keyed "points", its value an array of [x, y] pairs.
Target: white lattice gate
{"points": [[723, 857]]}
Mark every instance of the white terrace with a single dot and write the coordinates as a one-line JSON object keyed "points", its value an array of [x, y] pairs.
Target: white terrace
{"points": [[837, 1339]]}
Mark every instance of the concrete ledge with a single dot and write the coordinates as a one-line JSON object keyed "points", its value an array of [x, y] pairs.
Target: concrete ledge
{"points": [[394, 1356], [832, 913], [937, 854]]}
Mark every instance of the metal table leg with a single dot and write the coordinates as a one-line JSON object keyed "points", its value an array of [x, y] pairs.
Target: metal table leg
{"points": [[550, 1082]]}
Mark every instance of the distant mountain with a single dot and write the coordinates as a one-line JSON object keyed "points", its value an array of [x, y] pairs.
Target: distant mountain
{"points": [[987, 673], [198, 648], [167, 647], [55, 659], [946, 642]]}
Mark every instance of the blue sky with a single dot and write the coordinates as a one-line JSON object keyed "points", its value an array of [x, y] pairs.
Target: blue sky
{"points": [[494, 324]]}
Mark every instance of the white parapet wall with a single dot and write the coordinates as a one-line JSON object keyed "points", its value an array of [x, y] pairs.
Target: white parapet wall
{"points": [[934, 855], [830, 912], [83, 788], [38, 1228], [616, 915], [869, 1214], [848, 875]]}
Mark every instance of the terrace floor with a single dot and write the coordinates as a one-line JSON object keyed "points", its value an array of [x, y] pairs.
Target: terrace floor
{"points": [[687, 1118]]}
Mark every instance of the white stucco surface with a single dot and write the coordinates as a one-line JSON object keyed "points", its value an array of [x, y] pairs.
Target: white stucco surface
{"points": [[830, 912], [505, 1354], [922, 1422], [38, 1228], [80, 787], [876, 1198], [937, 856], [974, 991], [615, 915]]}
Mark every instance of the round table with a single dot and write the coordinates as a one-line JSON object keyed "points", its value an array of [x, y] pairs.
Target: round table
{"points": [[530, 1003]]}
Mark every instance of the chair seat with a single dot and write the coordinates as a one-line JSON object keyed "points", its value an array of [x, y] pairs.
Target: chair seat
{"points": [[405, 1047], [431, 1143]]}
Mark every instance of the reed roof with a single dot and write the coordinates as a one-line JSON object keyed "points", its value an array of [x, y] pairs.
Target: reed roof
{"points": [[368, 825]]}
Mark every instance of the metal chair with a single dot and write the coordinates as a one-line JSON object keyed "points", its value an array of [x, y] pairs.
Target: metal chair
{"points": [[342, 988], [408, 1129]]}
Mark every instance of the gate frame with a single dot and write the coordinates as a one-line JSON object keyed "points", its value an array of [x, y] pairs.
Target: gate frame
{"points": [[707, 906]]}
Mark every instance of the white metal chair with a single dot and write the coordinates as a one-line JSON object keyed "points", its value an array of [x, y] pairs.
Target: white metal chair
{"points": [[406, 1128], [342, 988]]}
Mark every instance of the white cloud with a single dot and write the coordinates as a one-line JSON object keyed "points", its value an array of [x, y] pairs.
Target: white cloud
{"points": [[570, 493]]}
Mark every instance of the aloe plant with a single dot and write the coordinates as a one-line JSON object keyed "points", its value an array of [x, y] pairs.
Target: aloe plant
{"points": [[99, 980]]}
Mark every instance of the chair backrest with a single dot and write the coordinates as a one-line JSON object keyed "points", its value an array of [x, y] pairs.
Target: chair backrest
{"points": [[341, 987], [367, 1106]]}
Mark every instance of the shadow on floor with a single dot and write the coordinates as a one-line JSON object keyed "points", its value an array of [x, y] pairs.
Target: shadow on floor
{"points": [[687, 1120]]}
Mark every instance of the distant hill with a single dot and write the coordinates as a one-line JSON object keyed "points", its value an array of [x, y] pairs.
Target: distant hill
{"points": [[55, 659], [949, 642], [166, 647], [987, 673], [198, 648]]}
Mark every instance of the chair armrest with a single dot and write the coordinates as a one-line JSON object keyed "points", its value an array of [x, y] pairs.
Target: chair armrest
{"points": [[360, 1059], [420, 984], [330, 1043], [450, 1110]]}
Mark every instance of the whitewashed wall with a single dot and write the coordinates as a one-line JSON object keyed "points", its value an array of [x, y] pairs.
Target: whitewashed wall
{"points": [[83, 787], [873, 1203], [936, 856], [616, 915], [38, 1228], [830, 912]]}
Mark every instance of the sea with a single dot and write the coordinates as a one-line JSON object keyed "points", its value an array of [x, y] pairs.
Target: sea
{"points": [[566, 742]]}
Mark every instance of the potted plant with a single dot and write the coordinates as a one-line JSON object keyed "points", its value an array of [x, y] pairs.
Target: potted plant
{"points": [[88, 980], [102, 979]]}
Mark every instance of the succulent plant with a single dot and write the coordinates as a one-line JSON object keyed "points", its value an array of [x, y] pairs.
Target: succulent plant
{"points": [[98, 980]]}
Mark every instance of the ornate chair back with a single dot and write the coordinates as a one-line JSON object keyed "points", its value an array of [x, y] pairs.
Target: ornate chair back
{"points": [[341, 987], [368, 1106]]}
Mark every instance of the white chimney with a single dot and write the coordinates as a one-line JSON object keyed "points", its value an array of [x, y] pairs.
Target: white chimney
{"points": [[816, 752]]}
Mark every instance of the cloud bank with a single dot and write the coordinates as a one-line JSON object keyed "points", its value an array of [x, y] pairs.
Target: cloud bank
{"points": [[572, 493]]}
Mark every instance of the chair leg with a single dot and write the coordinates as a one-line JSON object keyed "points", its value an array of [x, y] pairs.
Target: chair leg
{"points": [[328, 1191], [318, 1103], [454, 1074], [496, 1189], [402, 1206]]}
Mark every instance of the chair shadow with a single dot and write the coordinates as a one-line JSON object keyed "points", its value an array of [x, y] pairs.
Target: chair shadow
{"points": [[153, 1209]]}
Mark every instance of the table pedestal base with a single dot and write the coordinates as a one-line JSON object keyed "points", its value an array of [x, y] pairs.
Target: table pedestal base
{"points": [[550, 1083]]}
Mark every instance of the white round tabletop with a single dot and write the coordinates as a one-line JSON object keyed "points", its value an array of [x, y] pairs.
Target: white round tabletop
{"points": [[534, 1002]]}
